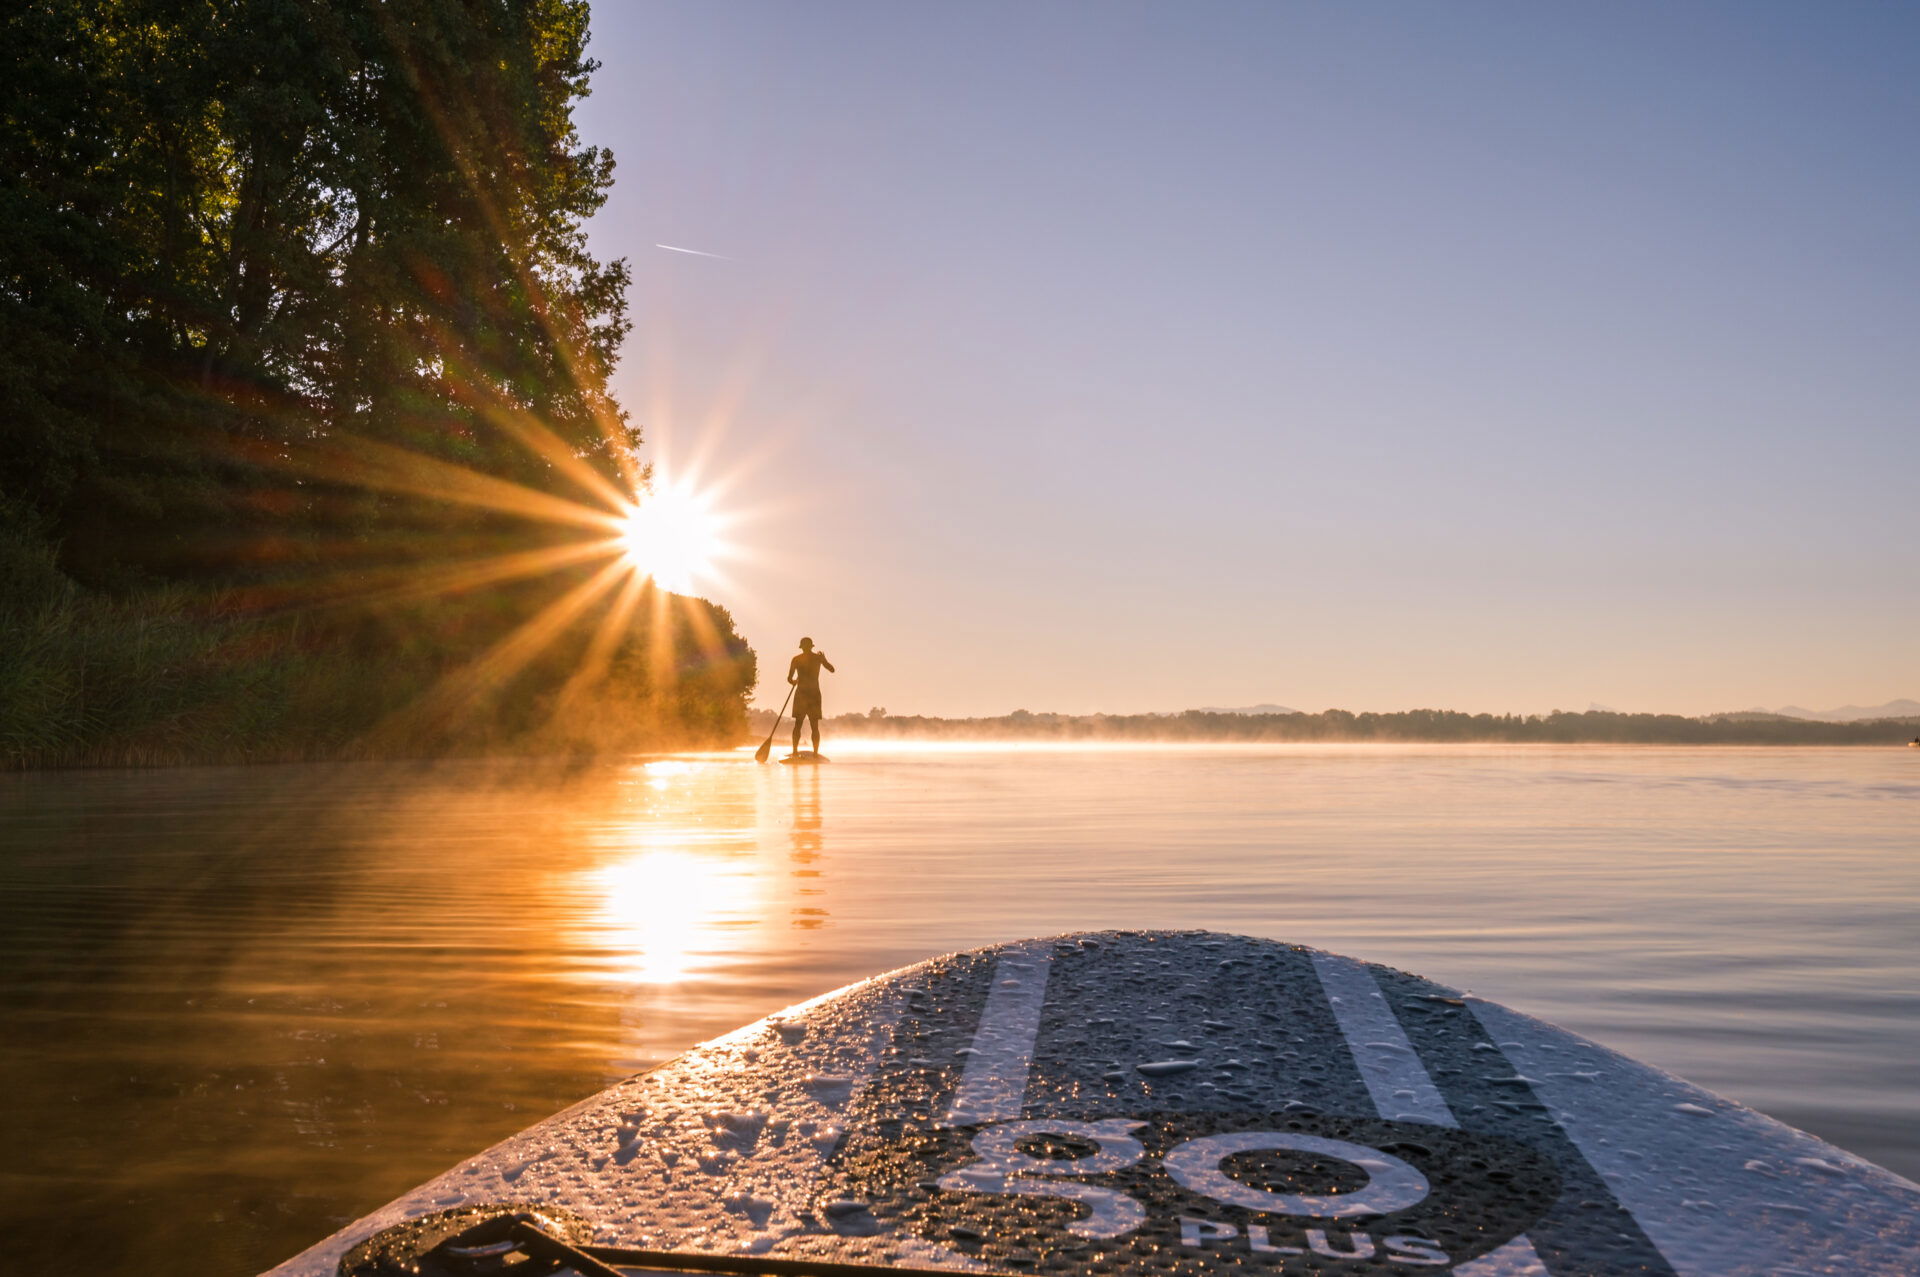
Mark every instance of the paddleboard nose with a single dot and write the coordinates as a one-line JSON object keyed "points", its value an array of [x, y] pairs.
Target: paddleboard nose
{"points": [[1150, 1102]]}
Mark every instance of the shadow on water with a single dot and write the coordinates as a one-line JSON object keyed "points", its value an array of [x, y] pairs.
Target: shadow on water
{"points": [[244, 1005], [133, 1026]]}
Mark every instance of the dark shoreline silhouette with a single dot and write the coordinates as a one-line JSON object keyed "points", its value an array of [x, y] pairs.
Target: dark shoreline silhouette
{"points": [[311, 449], [1417, 725]]}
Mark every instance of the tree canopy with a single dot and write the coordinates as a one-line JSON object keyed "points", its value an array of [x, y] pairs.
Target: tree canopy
{"points": [[293, 291], [235, 225]]}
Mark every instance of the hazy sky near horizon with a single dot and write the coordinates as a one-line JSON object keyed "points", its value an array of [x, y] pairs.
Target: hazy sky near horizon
{"points": [[1126, 357]]}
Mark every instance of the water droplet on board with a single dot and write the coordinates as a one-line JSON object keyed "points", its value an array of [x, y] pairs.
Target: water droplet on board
{"points": [[1166, 1068], [1820, 1164]]}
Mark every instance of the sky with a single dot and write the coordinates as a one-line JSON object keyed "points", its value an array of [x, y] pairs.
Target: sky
{"points": [[1134, 357]]}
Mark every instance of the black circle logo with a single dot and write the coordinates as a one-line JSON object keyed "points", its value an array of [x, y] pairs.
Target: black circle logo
{"points": [[1200, 1192]]}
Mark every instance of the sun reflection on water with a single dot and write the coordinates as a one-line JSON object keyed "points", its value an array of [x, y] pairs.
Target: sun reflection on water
{"points": [[699, 869], [677, 882], [662, 911], [662, 773]]}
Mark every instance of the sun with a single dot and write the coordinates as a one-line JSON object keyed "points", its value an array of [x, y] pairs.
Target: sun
{"points": [[671, 535]]}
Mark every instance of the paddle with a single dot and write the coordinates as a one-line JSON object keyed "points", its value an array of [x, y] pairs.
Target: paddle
{"points": [[766, 746]]}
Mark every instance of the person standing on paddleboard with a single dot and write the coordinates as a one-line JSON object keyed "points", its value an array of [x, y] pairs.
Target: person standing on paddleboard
{"points": [[803, 674]]}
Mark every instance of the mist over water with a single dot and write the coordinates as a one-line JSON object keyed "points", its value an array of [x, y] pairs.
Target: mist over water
{"points": [[246, 1005]]}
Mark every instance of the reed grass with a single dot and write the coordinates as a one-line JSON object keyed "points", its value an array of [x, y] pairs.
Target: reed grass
{"points": [[171, 676]]}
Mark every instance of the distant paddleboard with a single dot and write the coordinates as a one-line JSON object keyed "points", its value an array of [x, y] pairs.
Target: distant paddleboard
{"points": [[1149, 1102], [806, 756]]}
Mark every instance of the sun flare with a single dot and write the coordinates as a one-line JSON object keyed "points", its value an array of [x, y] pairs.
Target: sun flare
{"points": [[672, 535]]}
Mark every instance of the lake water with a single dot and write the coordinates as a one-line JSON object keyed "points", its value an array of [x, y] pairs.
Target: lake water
{"points": [[246, 1005]]}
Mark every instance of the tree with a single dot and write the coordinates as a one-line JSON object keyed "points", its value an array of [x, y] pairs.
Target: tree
{"points": [[297, 309], [246, 226]]}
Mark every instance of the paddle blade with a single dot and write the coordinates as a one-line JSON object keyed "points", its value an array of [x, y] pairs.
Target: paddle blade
{"points": [[760, 755]]}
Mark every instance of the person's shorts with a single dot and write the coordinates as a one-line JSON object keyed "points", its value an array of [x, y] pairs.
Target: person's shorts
{"points": [[806, 702]]}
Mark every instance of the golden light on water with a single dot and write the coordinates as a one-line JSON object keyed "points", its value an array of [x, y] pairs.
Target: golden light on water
{"points": [[661, 910], [671, 535]]}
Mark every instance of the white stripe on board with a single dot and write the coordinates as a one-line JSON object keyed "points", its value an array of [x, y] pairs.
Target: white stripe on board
{"points": [[1657, 1140], [993, 1087], [1395, 1078], [1400, 1085]]}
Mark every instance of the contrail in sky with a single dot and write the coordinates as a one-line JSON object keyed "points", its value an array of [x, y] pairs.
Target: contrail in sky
{"points": [[696, 252]]}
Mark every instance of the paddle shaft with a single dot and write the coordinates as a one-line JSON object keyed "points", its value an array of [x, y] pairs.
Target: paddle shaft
{"points": [[760, 755]]}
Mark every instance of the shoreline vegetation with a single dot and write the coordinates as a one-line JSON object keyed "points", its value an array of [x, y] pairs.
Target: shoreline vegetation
{"points": [[1428, 726], [310, 450], [179, 677]]}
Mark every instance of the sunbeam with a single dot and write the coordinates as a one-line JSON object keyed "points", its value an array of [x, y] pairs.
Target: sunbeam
{"points": [[598, 658], [464, 688]]}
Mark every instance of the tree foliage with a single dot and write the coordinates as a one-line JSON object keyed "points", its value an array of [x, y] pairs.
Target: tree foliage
{"points": [[248, 241], [254, 222]]}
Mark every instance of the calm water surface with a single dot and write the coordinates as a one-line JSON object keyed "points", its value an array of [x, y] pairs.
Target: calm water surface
{"points": [[246, 1005]]}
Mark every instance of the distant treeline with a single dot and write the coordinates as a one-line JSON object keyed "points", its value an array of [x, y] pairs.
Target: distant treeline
{"points": [[1594, 726], [303, 385]]}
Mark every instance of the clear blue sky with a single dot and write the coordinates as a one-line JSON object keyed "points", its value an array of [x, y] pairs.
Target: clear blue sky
{"points": [[1112, 356]]}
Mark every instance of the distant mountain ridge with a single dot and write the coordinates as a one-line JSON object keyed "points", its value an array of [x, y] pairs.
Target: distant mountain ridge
{"points": [[1846, 713], [1244, 709]]}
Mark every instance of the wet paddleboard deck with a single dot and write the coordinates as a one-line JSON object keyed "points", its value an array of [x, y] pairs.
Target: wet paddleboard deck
{"points": [[806, 756], [1153, 1102]]}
